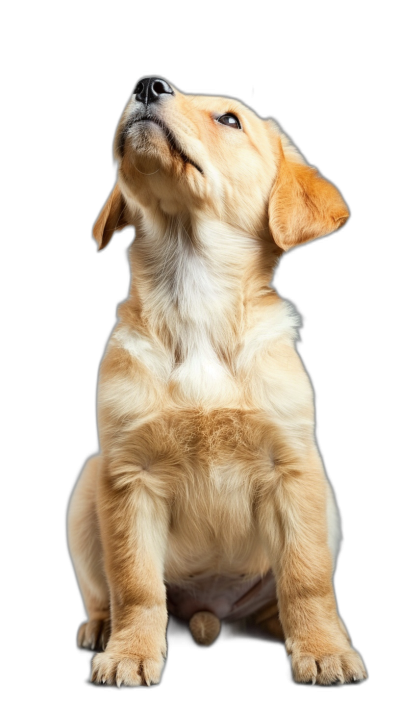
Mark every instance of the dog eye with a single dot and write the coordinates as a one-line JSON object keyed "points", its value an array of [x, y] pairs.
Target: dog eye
{"points": [[230, 120]]}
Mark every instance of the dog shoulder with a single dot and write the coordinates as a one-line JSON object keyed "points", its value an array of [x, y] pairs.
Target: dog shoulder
{"points": [[271, 370], [132, 378]]}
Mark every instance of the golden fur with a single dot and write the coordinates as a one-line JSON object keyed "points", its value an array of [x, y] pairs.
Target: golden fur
{"points": [[208, 462]]}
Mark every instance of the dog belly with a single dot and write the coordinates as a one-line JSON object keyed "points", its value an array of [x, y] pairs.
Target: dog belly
{"points": [[226, 596]]}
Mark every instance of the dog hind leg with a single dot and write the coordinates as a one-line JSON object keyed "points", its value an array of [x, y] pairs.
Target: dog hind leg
{"points": [[267, 619], [87, 556]]}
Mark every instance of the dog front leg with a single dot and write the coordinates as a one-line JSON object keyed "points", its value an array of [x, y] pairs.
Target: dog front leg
{"points": [[134, 526], [293, 518]]}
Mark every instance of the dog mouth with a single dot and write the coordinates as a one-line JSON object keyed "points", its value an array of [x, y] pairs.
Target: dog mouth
{"points": [[172, 141]]}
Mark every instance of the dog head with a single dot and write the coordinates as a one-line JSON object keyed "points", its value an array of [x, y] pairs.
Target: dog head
{"points": [[190, 156]]}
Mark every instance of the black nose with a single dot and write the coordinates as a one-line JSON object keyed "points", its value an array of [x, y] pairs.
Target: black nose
{"points": [[150, 89]]}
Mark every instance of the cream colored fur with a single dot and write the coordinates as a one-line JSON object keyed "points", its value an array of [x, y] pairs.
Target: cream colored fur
{"points": [[208, 462]]}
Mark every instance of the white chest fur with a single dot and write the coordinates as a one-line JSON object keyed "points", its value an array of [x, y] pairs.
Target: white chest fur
{"points": [[193, 292]]}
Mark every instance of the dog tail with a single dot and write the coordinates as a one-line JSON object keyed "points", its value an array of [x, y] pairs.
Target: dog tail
{"points": [[205, 627]]}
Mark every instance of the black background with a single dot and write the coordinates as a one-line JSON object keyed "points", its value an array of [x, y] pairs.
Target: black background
{"points": [[320, 96]]}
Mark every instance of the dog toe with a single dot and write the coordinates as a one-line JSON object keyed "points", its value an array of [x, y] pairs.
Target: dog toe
{"points": [[94, 634]]}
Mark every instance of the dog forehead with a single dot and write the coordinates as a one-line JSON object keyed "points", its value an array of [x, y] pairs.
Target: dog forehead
{"points": [[199, 107]]}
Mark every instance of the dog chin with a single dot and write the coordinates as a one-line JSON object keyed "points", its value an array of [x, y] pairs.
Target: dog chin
{"points": [[152, 141]]}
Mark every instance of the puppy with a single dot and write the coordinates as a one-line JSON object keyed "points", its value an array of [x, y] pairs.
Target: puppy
{"points": [[208, 498]]}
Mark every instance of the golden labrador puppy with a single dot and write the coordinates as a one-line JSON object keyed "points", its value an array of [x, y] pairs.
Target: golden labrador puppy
{"points": [[208, 498]]}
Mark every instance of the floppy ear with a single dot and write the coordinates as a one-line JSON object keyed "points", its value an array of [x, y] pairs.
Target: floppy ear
{"points": [[113, 217], [302, 204]]}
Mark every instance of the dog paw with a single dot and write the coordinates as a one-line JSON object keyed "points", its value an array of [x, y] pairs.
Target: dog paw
{"points": [[328, 668], [132, 670], [94, 634]]}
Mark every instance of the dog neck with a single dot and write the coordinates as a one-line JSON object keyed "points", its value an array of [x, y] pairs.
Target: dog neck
{"points": [[195, 284]]}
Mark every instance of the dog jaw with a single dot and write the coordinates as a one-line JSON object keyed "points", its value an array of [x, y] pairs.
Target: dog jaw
{"points": [[176, 157], [158, 166]]}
